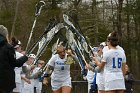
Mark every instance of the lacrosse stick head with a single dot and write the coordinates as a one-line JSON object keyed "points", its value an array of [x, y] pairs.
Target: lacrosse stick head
{"points": [[32, 56], [102, 45], [39, 6], [94, 49]]}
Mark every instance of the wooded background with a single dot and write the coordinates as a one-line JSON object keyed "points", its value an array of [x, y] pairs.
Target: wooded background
{"points": [[97, 18]]}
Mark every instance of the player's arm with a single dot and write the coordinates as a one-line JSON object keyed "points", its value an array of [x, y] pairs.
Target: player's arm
{"points": [[99, 64], [47, 74], [50, 66], [69, 52], [45, 81], [26, 79], [48, 70], [124, 65], [123, 68]]}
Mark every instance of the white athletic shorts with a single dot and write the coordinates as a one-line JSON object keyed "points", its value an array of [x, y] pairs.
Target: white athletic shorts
{"points": [[114, 81], [27, 91], [27, 88], [100, 81], [115, 85], [58, 84], [18, 87], [101, 86]]}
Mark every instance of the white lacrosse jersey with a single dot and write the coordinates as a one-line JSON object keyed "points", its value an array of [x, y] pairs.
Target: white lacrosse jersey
{"points": [[61, 70], [105, 49], [18, 55], [18, 69], [90, 76], [37, 83], [113, 69], [99, 77], [114, 59]]}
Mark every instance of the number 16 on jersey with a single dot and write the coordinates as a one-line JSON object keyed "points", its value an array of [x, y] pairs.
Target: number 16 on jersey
{"points": [[117, 62]]}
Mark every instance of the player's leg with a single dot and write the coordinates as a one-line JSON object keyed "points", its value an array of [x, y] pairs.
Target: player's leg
{"points": [[66, 89], [58, 91], [110, 91], [101, 91], [120, 91]]}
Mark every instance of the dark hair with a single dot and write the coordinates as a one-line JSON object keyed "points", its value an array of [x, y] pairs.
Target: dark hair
{"points": [[14, 41], [113, 39]]}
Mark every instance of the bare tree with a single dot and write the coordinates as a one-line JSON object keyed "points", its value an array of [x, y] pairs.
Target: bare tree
{"points": [[95, 18], [15, 18], [113, 15], [119, 20]]}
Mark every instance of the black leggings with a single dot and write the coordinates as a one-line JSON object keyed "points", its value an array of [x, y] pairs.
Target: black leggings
{"points": [[3, 91]]}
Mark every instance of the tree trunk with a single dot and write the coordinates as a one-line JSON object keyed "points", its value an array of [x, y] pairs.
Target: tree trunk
{"points": [[95, 23], [128, 34], [15, 18], [6, 4], [119, 20], [103, 12], [113, 16]]}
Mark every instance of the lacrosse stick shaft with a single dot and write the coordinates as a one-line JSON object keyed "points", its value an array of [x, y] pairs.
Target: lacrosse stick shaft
{"points": [[37, 13], [50, 25]]}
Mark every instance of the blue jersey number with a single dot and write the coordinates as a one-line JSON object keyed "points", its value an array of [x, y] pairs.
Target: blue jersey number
{"points": [[62, 67], [117, 63]]}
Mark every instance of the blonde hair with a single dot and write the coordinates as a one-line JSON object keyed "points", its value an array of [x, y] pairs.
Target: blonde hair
{"points": [[3, 31], [60, 47], [41, 61]]}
